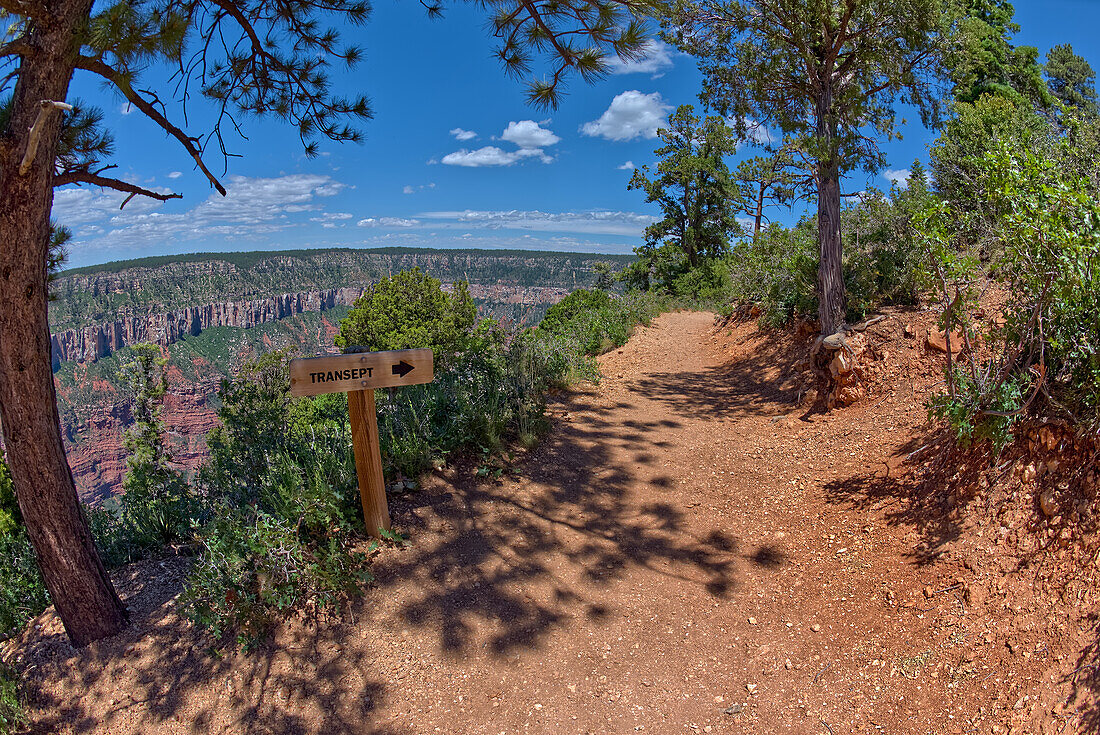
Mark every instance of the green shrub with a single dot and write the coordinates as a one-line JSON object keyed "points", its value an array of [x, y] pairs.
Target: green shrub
{"points": [[595, 321], [1045, 357], [12, 717], [22, 591], [407, 310], [778, 271], [288, 553], [10, 518], [275, 536], [155, 501]]}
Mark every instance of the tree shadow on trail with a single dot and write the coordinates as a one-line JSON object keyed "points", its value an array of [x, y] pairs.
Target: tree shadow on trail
{"points": [[162, 675], [910, 489], [500, 566], [764, 382]]}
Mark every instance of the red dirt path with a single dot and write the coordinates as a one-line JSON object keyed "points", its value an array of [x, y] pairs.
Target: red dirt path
{"points": [[691, 549]]}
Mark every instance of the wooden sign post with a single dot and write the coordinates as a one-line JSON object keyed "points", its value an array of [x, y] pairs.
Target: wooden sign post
{"points": [[358, 374]]}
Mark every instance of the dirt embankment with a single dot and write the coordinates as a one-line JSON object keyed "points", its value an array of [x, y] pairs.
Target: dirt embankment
{"points": [[693, 548]]}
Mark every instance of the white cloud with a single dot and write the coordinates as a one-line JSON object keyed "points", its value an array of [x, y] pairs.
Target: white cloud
{"points": [[656, 58], [408, 190], [77, 207], [528, 134], [388, 222], [254, 207], [490, 155], [631, 115], [899, 176], [461, 134], [603, 222], [126, 108], [628, 166], [175, 174], [331, 217]]}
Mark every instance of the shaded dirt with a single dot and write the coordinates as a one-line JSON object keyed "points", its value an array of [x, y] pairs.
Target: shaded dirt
{"points": [[693, 548]]}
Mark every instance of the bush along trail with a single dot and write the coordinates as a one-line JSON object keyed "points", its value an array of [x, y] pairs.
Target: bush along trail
{"points": [[693, 547]]}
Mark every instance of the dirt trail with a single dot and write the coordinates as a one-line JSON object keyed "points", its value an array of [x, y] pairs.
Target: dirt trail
{"points": [[687, 551]]}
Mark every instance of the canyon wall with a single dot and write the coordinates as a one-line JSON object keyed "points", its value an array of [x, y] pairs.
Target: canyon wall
{"points": [[91, 343], [88, 344]]}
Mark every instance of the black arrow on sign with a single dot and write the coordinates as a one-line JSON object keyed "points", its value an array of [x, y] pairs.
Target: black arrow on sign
{"points": [[402, 369]]}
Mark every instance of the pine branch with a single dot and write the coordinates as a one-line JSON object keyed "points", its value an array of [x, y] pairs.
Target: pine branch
{"points": [[18, 47], [27, 8], [87, 177], [97, 66]]}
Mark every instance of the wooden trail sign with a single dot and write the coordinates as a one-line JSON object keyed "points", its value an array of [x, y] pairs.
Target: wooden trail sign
{"points": [[358, 374]]}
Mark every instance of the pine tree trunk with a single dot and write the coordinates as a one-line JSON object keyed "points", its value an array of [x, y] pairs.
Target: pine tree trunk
{"points": [[78, 583], [830, 272], [759, 212]]}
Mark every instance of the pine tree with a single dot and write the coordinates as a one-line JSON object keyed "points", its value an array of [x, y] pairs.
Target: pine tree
{"points": [[693, 187], [825, 74]]}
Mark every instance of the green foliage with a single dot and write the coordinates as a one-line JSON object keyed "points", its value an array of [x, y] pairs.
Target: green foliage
{"points": [[290, 552], [275, 534], [1072, 80], [605, 275], [410, 309], [777, 270], [1049, 343], [883, 263], [12, 717], [883, 258], [22, 592], [596, 322], [974, 130], [10, 518], [982, 60], [155, 500]]}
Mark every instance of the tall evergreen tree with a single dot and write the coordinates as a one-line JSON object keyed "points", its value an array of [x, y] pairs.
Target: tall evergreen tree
{"points": [[767, 181], [1071, 80], [244, 58], [982, 59], [825, 73], [693, 187]]}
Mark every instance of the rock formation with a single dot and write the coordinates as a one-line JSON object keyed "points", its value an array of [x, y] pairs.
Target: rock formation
{"points": [[91, 343]]}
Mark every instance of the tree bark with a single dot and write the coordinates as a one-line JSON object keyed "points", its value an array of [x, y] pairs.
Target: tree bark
{"points": [[74, 574], [759, 212], [830, 271]]}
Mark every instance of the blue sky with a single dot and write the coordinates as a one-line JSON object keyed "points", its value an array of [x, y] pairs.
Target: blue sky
{"points": [[454, 157]]}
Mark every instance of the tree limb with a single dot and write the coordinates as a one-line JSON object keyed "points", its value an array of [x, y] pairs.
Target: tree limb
{"points": [[86, 177], [97, 66], [45, 107], [27, 8]]}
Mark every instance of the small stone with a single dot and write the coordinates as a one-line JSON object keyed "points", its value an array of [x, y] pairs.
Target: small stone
{"points": [[751, 688], [752, 621], [733, 709], [787, 664], [1047, 504], [937, 340], [815, 628]]}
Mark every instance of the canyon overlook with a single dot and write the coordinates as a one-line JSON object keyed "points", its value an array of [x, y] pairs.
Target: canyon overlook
{"points": [[96, 341]]}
